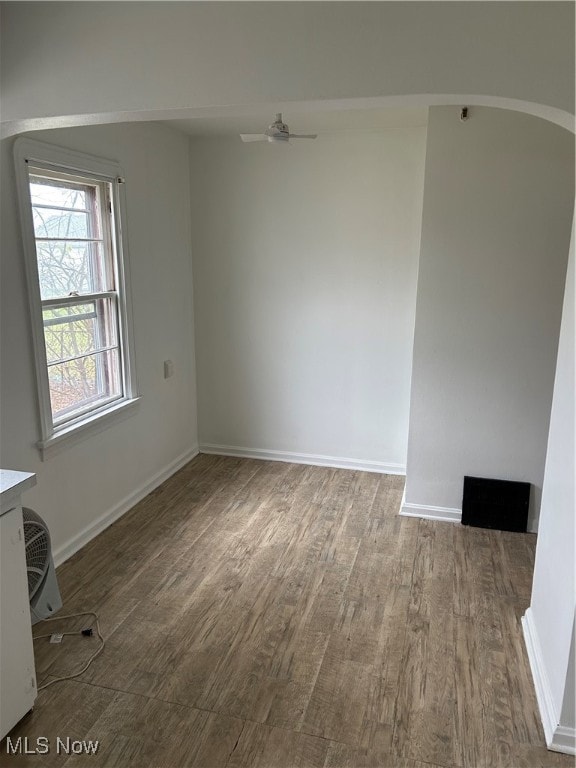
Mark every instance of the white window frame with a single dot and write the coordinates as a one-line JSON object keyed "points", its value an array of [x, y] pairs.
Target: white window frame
{"points": [[35, 154]]}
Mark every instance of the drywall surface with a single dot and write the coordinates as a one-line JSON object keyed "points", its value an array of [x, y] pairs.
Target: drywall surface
{"points": [[305, 266], [553, 590], [498, 199], [80, 484], [136, 57]]}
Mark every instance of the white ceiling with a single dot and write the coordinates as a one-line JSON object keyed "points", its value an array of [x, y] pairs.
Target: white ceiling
{"points": [[306, 122]]}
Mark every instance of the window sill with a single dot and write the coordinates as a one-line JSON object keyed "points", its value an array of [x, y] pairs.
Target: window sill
{"points": [[67, 436]]}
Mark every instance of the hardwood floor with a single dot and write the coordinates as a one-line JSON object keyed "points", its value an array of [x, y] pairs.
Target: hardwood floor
{"points": [[276, 615]]}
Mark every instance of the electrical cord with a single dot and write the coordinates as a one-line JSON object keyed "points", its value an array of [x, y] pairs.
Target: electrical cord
{"points": [[85, 632], [82, 632]]}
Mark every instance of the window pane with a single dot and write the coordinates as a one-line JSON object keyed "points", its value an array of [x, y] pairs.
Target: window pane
{"points": [[63, 195], [53, 222], [68, 266], [79, 330], [76, 259], [82, 384]]}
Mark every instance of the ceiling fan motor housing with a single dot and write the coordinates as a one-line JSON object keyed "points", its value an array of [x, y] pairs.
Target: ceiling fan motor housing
{"points": [[278, 131]]}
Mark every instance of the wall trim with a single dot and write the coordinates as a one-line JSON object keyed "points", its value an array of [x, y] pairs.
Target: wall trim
{"points": [[564, 740], [544, 698], [443, 514], [559, 738], [66, 550], [314, 459]]}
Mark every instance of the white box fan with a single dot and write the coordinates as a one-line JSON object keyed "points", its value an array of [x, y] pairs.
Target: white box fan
{"points": [[43, 589]]}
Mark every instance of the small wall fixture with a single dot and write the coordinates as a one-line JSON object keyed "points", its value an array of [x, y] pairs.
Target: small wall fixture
{"points": [[464, 114]]}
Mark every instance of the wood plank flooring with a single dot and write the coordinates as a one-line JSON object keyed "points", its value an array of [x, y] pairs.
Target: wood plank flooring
{"points": [[278, 615]]}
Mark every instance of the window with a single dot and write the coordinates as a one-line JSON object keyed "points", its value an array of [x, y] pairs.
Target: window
{"points": [[71, 208]]}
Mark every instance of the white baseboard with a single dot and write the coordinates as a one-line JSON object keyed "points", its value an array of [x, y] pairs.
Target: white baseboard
{"points": [[304, 458], [564, 740], [443, 514], [559, 738], [66, 550], [540, 677]]}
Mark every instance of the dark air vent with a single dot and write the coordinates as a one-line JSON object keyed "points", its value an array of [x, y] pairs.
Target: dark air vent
{"points": [[499, 504]]}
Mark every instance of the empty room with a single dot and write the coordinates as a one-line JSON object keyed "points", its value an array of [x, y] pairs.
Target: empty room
{"points": [[287, 384]]}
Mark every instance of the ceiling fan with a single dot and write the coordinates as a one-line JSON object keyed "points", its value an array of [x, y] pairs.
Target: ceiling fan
{"points": [[276, 132]]}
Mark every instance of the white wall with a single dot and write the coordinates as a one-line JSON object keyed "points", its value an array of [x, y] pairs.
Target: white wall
{"points": [[90, 479], [498, 199], [305, 266], [70, 59], [553, 591]]}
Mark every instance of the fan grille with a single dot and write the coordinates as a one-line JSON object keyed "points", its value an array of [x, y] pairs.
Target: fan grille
{"points": [[37, 544]]}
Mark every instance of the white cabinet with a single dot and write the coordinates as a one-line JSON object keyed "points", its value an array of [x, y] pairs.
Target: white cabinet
{"points": [[17, 673]]}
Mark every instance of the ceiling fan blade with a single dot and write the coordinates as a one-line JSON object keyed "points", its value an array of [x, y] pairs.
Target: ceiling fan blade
{"points": [[303, 135], [253, 137]]}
